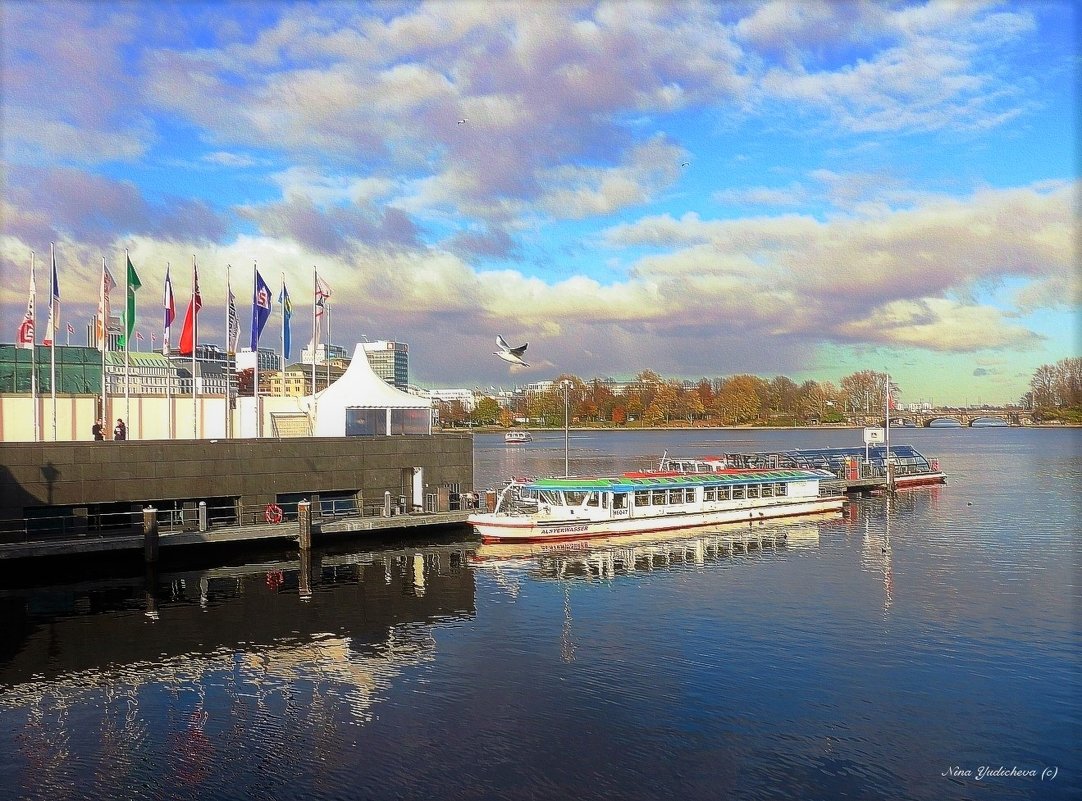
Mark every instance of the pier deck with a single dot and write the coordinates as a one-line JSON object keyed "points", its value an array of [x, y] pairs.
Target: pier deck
{"points": [[325, 531]]}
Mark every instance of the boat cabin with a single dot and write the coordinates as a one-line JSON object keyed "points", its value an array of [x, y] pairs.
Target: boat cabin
{"points": [[640, 495]]}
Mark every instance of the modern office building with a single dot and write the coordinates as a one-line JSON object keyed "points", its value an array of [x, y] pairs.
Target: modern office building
{"points": [[390, 361]]}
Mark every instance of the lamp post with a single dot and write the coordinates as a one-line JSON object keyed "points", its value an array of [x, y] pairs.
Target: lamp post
{"points": [[886, 420], [565, 384]]}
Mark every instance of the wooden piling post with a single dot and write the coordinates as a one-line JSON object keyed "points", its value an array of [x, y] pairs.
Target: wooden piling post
{"points": [[304, 577], [150, 535], [304, 521]]}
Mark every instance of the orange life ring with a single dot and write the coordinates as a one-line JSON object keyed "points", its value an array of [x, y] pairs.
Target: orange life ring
{"points": [[273, 513]]}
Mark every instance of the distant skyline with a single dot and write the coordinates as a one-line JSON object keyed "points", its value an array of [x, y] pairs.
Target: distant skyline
{"points": [[793, 188]]}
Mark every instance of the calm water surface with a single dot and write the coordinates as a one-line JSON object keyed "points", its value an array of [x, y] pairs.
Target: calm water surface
{"points": [[866, 658]]}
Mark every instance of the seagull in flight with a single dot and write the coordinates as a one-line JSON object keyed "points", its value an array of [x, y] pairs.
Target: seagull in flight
{"points": [[685, 164], [463, 121], [509, 354]]}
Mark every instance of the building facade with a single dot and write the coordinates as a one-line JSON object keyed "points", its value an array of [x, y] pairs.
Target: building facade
{"points": [[390, 361]]}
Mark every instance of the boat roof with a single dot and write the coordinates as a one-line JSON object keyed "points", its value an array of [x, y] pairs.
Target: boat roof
{"points": [[641, 481]]}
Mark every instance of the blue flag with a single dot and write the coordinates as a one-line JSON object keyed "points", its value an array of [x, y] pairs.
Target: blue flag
{"points": [[287, 312], [261, 308]]}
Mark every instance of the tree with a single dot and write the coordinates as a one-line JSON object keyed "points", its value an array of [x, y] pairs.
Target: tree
{"points": [[664, 404], [487, 412], [737, 401], [1043, 384], [689, 405], [864, 391], [783, 394]]}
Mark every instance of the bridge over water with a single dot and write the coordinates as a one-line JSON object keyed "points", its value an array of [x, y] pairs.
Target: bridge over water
{"points": [[1011, 416]]}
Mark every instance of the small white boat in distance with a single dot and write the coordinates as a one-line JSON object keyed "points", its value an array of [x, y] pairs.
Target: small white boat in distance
{"points": [[517, 437], [557, 509]]}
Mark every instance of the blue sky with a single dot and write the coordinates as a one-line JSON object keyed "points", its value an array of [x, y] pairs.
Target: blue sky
{"points": [[700, 189]]}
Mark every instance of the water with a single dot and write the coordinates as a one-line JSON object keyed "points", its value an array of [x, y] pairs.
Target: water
{"points": [[865, 659]]}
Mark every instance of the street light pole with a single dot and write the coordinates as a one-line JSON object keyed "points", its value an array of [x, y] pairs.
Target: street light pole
{"points": [[565, 384]]}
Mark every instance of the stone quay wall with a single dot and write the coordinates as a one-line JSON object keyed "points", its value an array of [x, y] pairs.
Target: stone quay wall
{"points": [[38, 476]]}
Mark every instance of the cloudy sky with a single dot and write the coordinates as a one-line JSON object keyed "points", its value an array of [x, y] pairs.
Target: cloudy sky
{"points": [[700, 189]]}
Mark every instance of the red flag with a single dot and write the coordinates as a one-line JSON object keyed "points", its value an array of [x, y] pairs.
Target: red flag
{"points": [[187, 333], [71, 328]]}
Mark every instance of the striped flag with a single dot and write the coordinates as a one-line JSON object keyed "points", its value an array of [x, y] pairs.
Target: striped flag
{"points": [[129, 312], [323, 294], [25, 337], [54, 310], [287, 312], [102, 321], [187, 332], [71, 328], [233, 325], [170, 311]]}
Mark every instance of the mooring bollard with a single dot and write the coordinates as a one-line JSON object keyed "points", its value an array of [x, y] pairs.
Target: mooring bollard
{"points": [[150, 534], [304, 521]]}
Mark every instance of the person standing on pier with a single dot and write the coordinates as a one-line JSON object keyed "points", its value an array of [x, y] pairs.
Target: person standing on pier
{"points": [[120, 433], [98, 429]]}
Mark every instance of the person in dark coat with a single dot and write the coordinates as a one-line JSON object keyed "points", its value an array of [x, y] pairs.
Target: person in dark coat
{"points": [[98, 429], [120, 433]]}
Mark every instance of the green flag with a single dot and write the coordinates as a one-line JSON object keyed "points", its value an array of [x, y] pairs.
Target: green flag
{"points": [[129, 313]]}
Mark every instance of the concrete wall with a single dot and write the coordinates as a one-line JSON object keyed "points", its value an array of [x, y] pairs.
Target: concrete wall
{"points": [[147, 417], [46, 474]]}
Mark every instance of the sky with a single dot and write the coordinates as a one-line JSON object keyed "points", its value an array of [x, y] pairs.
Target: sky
{"points": [[788, 188]]}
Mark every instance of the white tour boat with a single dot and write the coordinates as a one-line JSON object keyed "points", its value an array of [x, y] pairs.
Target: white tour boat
{"points": [[517, 437], [555, 509]]}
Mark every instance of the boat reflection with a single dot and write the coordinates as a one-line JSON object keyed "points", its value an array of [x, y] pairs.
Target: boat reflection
{"points": [[608, 557]]}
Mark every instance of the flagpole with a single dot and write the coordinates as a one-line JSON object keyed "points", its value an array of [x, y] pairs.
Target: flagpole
{"points": [[168, 365], [229, 348], [315, 295], [127, 339], [326, 347], [104, 314], [33, 350], [195, 347], [282, 297], [52, 335], [255, 348]]}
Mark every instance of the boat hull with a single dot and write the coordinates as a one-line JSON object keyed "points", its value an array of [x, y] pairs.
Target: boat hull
{"points": [[919, 480], [495, 528]]}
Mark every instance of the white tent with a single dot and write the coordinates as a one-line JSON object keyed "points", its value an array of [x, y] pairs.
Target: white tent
{"points": [[360, 403]]}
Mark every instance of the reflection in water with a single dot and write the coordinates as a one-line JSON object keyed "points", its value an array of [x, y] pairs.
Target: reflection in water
{"points": [[281, 648], [607, 557]]}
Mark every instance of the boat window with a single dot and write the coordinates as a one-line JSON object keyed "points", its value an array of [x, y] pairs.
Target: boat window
{"points": [[779, 490], [642, 497], [768, 490], [619, 500], [574, 497], [549, 497], [753, 490], [724, 494], [710, 493], [593, 499], [738, 492], [689, 495], [657, 497]]}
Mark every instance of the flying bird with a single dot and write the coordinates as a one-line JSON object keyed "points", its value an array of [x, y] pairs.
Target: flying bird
{"points": [[685, 164], [509, 354], [463, 121]]}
